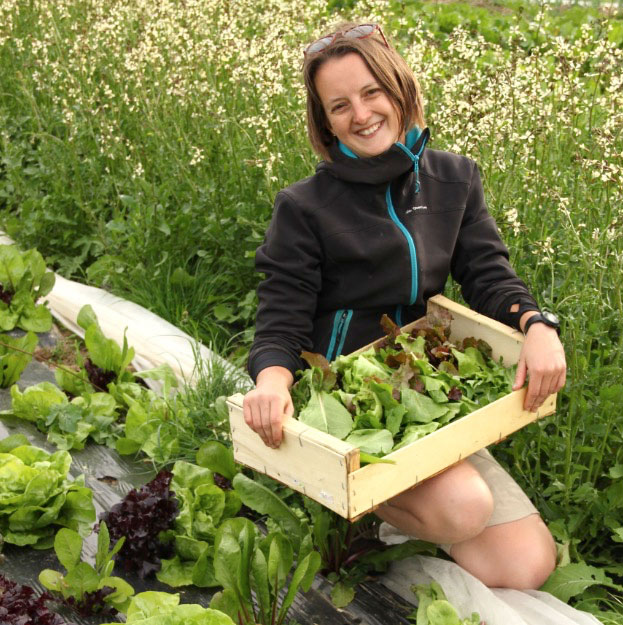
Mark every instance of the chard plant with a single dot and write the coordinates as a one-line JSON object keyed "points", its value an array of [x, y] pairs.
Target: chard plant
{"points": [[246, 564], [15, 354], [106, 363], [24, 279], [85, 588], [348, 551]]}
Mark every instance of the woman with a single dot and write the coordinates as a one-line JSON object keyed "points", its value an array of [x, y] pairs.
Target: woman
{"points": [[378, 229]]}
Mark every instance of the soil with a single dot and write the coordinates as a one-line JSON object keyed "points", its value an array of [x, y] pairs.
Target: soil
{"points": [[61, 350]]}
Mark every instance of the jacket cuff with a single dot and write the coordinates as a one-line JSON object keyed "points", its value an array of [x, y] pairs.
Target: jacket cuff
{"points": [[526, 304], [272, 358]]}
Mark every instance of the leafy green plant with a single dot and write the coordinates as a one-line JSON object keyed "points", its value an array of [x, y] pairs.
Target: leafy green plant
{"points": [[36, 495], [571, 580], [151, 426], [68, 424], [86, 588], [161, 608], [348, 551], [107, 361], [203, 506], [140, 518], [21, 605], [23, 280], [435, 609], [245, 563], [15, 354]]}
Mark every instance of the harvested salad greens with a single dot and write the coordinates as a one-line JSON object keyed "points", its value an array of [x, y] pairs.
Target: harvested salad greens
{"points": [[406, 387]]}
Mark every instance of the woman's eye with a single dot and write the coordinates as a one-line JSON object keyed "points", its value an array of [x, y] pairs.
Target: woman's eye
{"points": [[373, 91], [338, 107]]}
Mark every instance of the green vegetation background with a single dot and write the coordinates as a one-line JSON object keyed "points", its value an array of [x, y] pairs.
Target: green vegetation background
{"points": [[141, 146]]}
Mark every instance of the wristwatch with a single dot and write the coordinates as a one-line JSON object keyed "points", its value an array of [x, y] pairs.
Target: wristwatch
{"points": [[546, 317]]}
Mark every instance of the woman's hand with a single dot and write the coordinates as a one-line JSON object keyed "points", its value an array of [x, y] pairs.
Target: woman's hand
{"points": [[265, 407], [542, 360]]}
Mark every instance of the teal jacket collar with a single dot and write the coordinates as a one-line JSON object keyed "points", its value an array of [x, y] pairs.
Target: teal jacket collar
{"points": [[397, 160]]}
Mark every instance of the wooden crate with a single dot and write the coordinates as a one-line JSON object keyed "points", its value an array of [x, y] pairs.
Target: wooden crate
{"points": [[328, 469]]}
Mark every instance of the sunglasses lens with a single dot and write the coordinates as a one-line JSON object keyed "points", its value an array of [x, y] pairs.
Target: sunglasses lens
{"points": [[359, 32], [319, 45]]}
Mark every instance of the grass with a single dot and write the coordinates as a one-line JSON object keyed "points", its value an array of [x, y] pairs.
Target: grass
{"points": [[142, 143]]}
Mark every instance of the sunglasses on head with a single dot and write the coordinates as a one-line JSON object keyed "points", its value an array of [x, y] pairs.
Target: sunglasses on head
{"points": [[356, 32]]}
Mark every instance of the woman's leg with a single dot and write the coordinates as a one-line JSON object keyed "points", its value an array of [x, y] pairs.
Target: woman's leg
{"points": [[451, 507], [454, 508], [520, 554]]}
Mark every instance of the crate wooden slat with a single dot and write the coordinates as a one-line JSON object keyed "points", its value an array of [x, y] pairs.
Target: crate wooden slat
{"points": [[328, 469], [308, 460]]}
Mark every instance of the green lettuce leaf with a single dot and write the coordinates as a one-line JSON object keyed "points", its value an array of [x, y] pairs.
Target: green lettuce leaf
{"points": [[324, 412], [372, 441]]}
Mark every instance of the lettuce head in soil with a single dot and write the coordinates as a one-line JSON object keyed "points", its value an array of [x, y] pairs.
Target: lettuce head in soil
{"points": [[37, 496], [23, 280], [161, 608]]}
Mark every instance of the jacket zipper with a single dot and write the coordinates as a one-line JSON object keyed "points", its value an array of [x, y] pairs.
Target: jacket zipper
{"points": [[341, 321], [410, 243]]}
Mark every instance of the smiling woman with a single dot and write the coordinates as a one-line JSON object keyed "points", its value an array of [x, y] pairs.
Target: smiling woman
{"points": [[377, 230], [359, 113]]}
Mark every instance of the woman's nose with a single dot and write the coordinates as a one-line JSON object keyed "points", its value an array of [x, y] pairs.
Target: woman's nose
{"points": [[361, 112]]}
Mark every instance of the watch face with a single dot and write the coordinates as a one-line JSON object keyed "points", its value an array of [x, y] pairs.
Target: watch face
{"points": [[551, 317]]}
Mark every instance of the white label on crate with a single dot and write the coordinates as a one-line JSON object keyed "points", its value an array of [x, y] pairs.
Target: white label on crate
{"points": [[326, 496]]}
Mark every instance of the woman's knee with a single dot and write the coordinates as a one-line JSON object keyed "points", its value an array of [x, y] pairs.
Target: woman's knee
{"points": [[531, 571], [451, 507], [467, 513], [520, 554]]}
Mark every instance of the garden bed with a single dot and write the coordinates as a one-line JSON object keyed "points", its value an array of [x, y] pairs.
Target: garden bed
{"points": [[111, 477]]}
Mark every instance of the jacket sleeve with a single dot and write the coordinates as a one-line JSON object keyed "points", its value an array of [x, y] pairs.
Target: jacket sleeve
{"points": [[290, 258], [480, 263]]}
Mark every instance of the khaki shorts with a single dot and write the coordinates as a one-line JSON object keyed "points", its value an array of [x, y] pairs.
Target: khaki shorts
{"points": [[510, 503]]}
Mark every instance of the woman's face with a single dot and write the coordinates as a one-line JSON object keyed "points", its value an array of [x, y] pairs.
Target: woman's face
{"points": [[359, 112]]}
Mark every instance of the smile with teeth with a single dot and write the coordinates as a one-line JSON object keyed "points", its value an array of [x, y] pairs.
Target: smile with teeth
{"points": [[370, 130]]}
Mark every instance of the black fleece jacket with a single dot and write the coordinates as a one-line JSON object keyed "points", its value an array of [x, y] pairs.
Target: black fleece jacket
{"points": [[367, 236]]}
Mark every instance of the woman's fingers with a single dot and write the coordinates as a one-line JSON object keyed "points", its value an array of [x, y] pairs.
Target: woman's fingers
{"points": [[264, 413], [542, 384], [543, 359]]}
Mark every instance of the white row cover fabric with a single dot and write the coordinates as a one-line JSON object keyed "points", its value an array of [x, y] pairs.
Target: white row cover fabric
{"points": [[155, 340], [496, 606]]}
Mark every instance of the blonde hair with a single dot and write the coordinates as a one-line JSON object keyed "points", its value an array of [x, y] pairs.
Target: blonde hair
{"points": [[388, 68]]}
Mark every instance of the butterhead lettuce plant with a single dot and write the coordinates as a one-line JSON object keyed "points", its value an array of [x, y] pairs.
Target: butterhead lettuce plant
{"points": [[24, 279]]}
